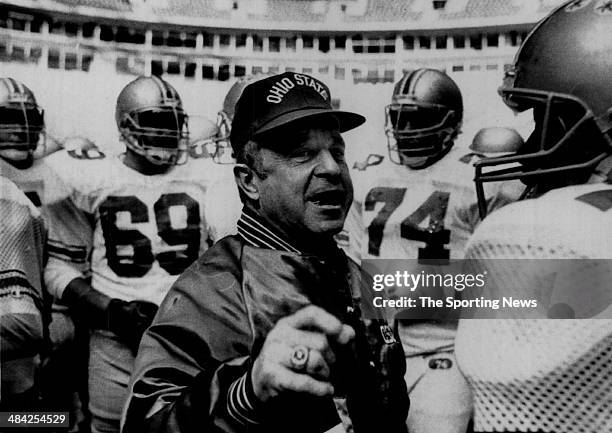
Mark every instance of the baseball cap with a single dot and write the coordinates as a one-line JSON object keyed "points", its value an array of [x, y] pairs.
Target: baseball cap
{"points": [[278, 100]]}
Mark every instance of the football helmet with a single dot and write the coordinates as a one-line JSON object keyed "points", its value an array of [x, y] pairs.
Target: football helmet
{"points": [[22, 123], [226, 115], [560, 72], [493, 141], [203, 138], [151, 120], [423, 119], [496, 139]]}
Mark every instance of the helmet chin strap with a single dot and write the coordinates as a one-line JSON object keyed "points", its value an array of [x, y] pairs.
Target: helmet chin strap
{"points": [[21, 164], [143, 165], [603, 172], [430, 160]]}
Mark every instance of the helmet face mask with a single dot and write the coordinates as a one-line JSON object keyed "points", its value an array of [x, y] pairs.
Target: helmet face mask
{"points": [[160, 135], [220, 147], [152, 122], [25, 123], [423, 119], [554, 152], [560, 71], [205, 140], [417, 133], [22, 125]]}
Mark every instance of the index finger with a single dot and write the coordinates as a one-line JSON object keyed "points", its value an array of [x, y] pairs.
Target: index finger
{"points": [[316, 318]]}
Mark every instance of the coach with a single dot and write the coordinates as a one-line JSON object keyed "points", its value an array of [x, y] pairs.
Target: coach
{"points": [[267, 331]]}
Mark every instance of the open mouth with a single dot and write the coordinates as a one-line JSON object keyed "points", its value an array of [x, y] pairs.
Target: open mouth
{"points": [[331, 199]]}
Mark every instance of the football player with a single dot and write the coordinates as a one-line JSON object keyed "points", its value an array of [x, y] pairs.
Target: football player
{"points": [[203, 137], [22, 306], [493, 141], [23, 142], [223, 152], [24, 147], [24, 150], [222, 219], [147, 222], [551, 375], [423, 207]]}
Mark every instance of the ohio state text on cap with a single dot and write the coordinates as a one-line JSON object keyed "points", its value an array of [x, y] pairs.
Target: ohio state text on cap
{"points": [[281, 99]]}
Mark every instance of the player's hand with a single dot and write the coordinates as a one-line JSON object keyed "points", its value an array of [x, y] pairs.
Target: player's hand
{"points": [[129, 320], [297, 354]]}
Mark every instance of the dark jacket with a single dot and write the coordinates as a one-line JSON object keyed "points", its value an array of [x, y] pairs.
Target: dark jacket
{"points": [[212, 325]]}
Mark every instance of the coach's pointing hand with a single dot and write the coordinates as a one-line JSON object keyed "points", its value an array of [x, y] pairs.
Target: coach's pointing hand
{"points": [[297, 355]]}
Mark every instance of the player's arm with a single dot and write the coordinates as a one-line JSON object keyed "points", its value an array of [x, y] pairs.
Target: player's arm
{"points": [[22, 305], [127, 320], [86, 302], [67, 272], [69, 245]]}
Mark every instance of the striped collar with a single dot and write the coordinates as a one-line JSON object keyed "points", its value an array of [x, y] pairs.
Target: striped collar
{"points": [[254, 231]]}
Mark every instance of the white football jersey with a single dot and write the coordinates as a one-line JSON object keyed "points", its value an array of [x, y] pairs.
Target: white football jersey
{"points": [[427, 213], [544, 374], [43, 185], [419, 214], [143, 230], [39, 182]]}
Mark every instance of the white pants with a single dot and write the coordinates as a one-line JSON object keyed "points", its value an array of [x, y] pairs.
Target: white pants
{"points": [[110, 365], [440, 397]]}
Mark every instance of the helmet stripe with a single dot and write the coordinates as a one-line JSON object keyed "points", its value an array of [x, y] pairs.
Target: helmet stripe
{"points": [[413, 80], [18, 89], [402, 84], [18, 86], [162, 87], [11, 86]]}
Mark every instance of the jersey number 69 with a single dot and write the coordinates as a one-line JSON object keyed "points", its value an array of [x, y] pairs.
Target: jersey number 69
{"points": [[140, 259]]}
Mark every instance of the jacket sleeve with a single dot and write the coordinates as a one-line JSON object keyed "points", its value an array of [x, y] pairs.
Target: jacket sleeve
{"points": [[196, 348]]}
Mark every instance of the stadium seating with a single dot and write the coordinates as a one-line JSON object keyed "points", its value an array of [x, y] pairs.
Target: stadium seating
{"points": [[383, 10], [289, 10], [304, 11], [484, 8], [192, 8], [114, 5]]}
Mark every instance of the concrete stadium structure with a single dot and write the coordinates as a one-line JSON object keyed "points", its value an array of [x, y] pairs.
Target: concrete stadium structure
{"points": [[77, 54]]}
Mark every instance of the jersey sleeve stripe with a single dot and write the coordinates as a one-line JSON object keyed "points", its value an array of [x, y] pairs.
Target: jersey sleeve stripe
{"points": [[76, 254], [14, 278]]}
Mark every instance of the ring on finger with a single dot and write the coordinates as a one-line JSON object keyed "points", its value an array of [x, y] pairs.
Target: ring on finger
{"points": [[299, 357]]}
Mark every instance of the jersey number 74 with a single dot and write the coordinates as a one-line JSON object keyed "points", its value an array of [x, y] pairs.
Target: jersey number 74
{"points": [[435, 236]]}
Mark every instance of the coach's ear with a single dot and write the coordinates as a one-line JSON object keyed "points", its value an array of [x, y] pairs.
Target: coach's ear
{"points": [[245, 179]]}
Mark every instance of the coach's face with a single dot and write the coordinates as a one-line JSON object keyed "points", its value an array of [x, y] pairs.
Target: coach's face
{"points": [[305, 188]]}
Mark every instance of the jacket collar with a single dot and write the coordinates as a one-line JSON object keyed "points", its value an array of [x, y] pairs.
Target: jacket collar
{"points": [[255, 232]]}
